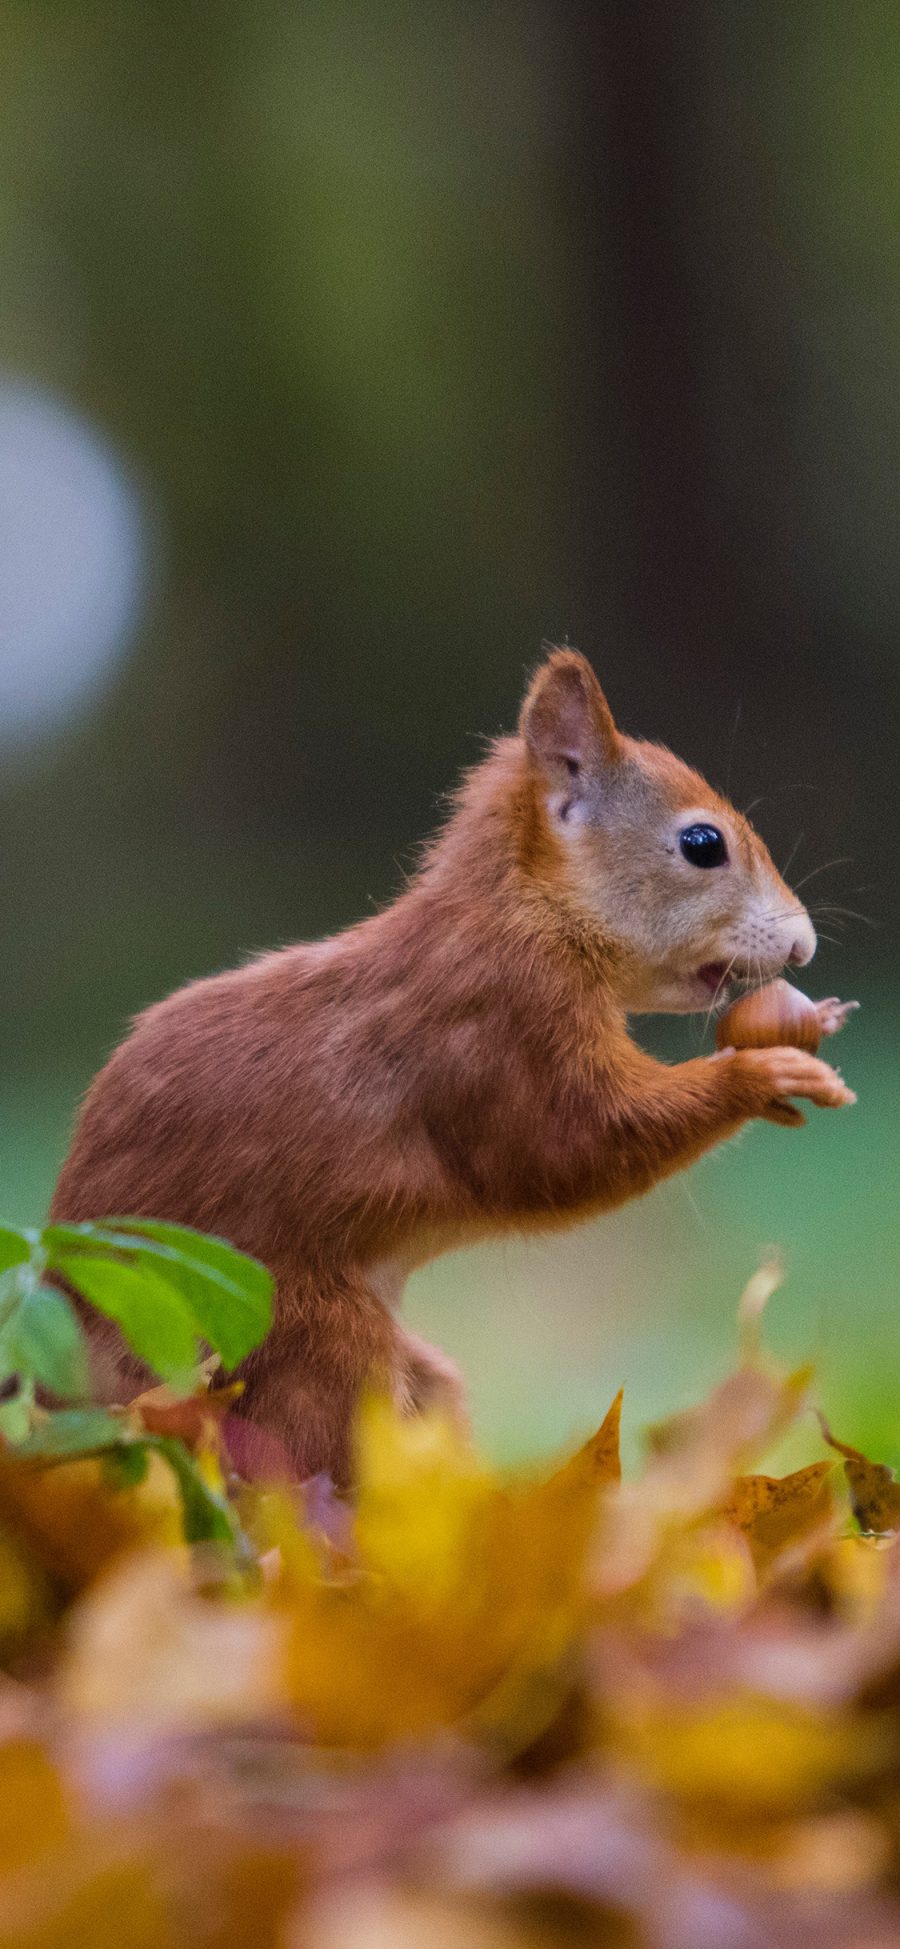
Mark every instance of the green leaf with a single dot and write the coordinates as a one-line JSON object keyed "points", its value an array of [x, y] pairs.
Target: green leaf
{"points": [[228, 1294], [125, 1467], [15, 1247], [15, 1417], [152, 1315], [42, 1341], [12, 1285], [207, 1517], [71, 1431]]}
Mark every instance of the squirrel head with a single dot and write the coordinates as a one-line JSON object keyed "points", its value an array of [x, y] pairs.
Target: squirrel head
{"points": [[639, 846]]}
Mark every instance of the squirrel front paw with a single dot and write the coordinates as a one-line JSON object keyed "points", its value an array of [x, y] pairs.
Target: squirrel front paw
{"points": [[772, 1076]]}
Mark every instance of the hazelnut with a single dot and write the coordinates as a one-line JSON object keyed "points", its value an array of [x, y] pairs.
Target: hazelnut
{"points": [[779, 1015]]}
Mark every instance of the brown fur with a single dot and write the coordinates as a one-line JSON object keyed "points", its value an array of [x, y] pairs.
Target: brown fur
{"points": [[455, 1067]]}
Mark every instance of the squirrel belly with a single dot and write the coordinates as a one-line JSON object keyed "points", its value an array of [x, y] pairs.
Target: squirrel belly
{"points": [[454, 1067]]}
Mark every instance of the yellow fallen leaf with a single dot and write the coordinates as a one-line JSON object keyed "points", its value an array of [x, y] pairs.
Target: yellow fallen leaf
{"points": [[462, 1582], [34, 1814], [84, 1898], [706, 1566], [747, 1754], [27, 1595], [421, 1490], [599, 1458], [855, 1569], [72, 1522]]}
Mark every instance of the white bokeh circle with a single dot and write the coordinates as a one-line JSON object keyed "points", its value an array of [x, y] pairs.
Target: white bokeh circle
{"points": [[72, 560]]}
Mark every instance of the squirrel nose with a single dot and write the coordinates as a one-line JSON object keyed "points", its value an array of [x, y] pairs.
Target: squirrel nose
{"points": [[804, 943]]}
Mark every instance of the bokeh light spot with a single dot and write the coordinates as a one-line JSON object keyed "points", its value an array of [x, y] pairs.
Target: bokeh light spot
{"points": [[72, 557]]}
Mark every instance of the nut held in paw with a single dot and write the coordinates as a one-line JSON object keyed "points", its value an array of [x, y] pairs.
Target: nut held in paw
{"points": [[779, 1015]]}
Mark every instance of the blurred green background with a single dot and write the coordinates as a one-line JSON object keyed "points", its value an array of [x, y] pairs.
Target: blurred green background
{"points": [[347, 353]]}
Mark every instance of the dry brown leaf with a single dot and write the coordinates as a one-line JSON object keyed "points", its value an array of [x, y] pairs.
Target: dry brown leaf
{"points": [[145, 1651], [776, 1512], [195, 1419], [695, 1450], [874, 1489], [377, 1917], [645, 1531], [153, 1883]]}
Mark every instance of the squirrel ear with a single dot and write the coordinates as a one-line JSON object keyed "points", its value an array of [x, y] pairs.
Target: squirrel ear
{"points": [[566, 721]]}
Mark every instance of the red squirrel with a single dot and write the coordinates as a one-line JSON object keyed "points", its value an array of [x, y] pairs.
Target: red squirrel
{"points": [[456, 1066]]}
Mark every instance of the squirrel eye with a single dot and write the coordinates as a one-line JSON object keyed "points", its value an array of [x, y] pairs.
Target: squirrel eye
{"points": [[704, 846]]}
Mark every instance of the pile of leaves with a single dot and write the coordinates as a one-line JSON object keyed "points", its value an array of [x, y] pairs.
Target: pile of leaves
{"points": [[473, 1709]]}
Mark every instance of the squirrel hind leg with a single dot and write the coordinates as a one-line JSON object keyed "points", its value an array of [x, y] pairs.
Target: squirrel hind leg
{"points": [[429, 1380], [333, 1338]]}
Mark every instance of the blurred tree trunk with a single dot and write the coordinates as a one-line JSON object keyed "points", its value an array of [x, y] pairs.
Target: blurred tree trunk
{"points": [[692, 259]]}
